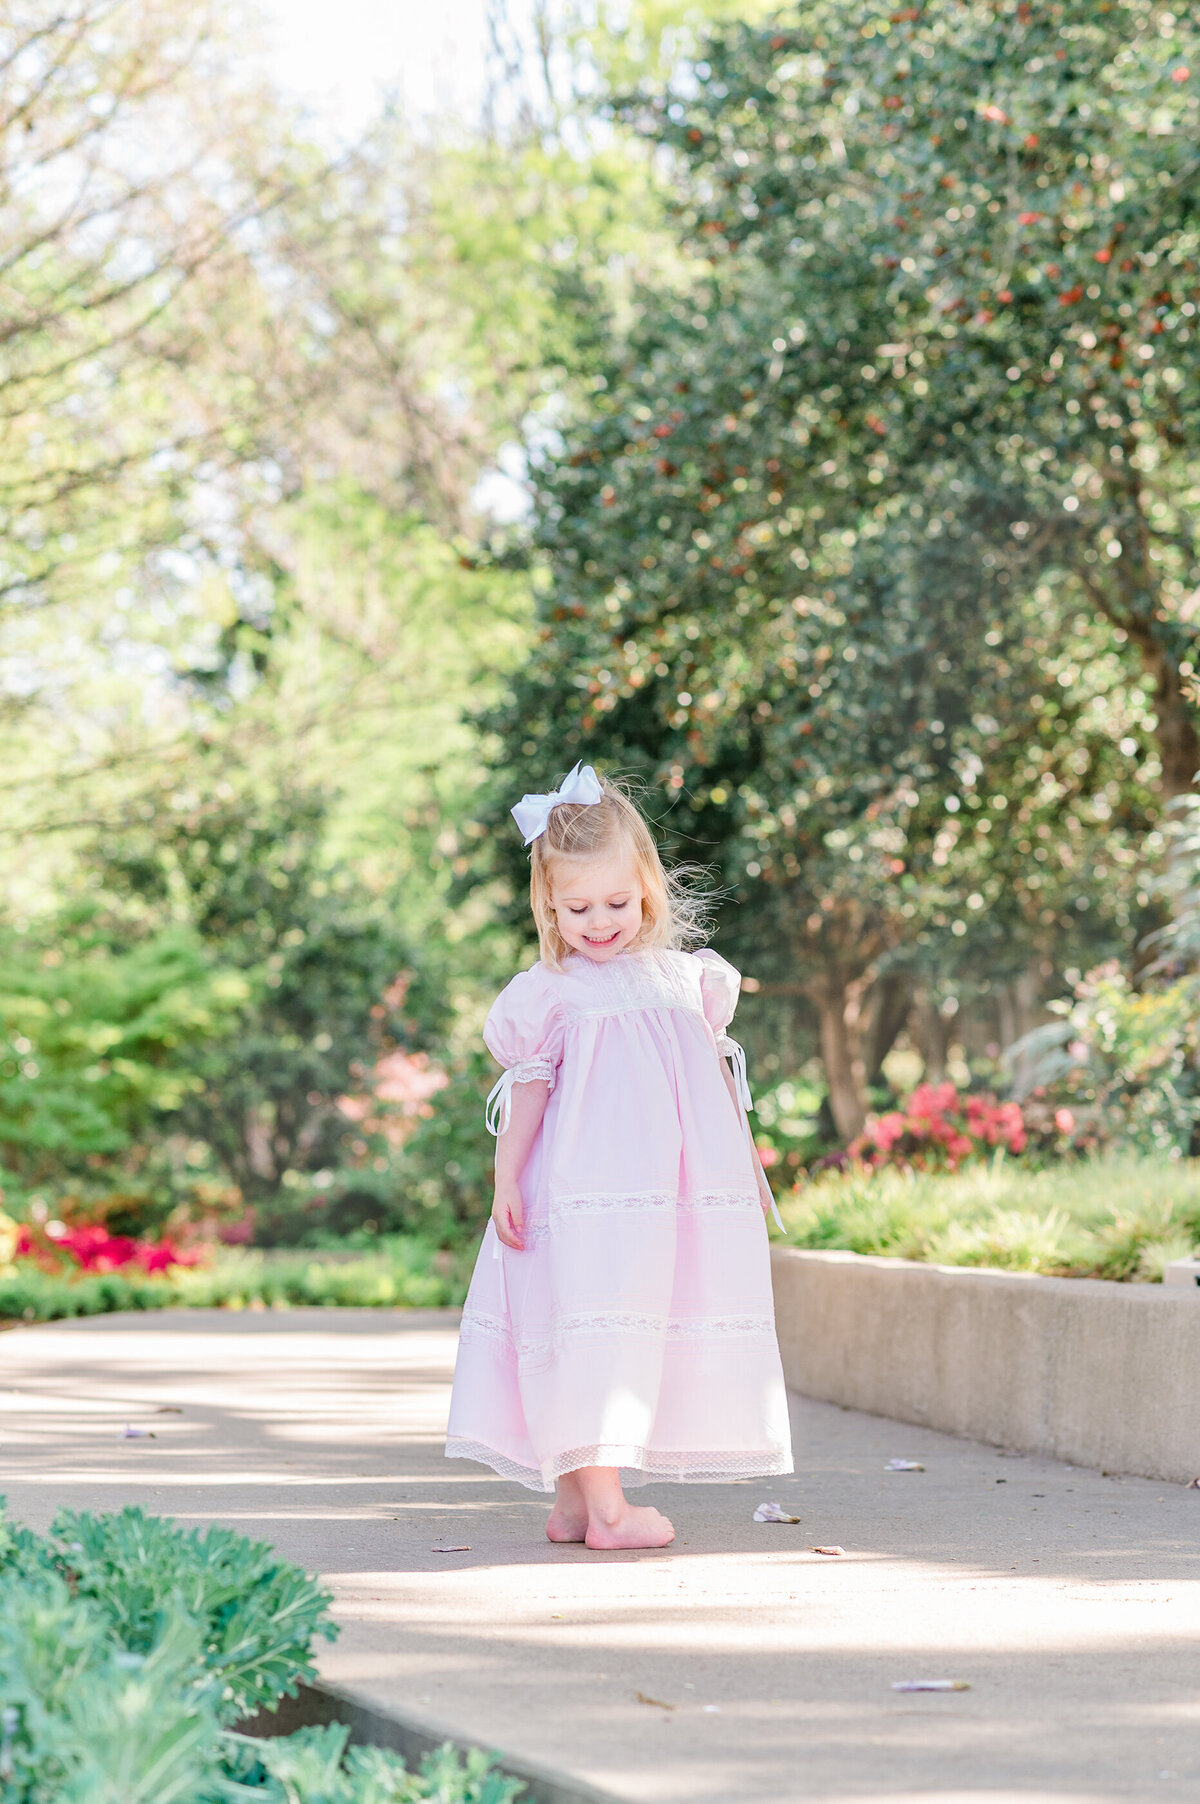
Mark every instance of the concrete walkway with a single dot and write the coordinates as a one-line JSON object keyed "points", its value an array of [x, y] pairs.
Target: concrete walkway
{"points": [[736, 1666]]}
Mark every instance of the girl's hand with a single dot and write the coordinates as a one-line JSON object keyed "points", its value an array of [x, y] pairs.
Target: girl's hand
{"points": [[508, 1215]]}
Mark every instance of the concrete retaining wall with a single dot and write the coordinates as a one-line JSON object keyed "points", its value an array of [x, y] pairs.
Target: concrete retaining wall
{"points": [[1098, 1374]]}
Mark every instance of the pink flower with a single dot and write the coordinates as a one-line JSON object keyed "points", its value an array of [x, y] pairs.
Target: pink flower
{"points": [[887, 1130], [1064, 1121]]}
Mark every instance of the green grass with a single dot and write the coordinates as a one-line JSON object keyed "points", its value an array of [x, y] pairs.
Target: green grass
{"points": [[400, 1270], [1120, 1218]]}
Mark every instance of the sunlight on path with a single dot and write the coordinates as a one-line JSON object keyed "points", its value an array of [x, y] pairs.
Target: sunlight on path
{"points": [[737, 1665]]}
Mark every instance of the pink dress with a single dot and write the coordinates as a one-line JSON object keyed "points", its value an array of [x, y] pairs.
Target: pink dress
{"points": [[636, 1329]]}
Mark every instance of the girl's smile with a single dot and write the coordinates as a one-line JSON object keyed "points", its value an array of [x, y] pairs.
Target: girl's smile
{"points": [[598, 904]]}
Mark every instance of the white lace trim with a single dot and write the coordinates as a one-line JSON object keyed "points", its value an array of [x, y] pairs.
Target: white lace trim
{"points": [[499, 1102], [601, 1202], [655, 978], [551, 1337], [638, 1465]]}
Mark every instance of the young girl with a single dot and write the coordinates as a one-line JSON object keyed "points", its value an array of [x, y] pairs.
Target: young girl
{"points": [[619, 1325]]}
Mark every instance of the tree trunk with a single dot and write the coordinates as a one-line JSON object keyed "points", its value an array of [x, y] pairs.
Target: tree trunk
{"points": [[935, 1032], [1175, 718], [838, 1009], [887, 1011], [1017, 1006]]}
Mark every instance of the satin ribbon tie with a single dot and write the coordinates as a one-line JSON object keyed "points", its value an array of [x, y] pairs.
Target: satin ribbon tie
{"points": [[532, 812], [499, 1102], [730, 1050]]}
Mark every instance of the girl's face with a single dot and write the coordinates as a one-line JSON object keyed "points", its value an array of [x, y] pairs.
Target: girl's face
{"points": [[598, 903]]}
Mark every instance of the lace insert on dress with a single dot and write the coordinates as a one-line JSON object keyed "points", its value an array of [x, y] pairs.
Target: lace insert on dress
{"points": [[534, 1350], [602, 1202], [651, 979]]}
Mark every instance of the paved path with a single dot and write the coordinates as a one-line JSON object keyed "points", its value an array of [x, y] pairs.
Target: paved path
{"points": [[1069, 1601]]}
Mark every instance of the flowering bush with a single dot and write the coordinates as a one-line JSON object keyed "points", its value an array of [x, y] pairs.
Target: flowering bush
{"points": [[937, 1128], [89, 1247], [1120, 1067]]}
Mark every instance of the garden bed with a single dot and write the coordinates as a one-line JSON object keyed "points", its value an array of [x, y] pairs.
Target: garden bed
{"points": [[400, 1271], [1121, 1218]]}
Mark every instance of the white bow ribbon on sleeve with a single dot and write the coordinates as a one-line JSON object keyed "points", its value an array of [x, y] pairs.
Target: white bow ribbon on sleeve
{"points": [[532, 813]]}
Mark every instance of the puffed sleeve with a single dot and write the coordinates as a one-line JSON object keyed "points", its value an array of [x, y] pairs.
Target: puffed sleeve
{"points": [[523, 1032], [719, 987]]}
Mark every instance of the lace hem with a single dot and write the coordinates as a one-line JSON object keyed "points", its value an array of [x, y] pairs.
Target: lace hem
{"points": [[638, 1465]]}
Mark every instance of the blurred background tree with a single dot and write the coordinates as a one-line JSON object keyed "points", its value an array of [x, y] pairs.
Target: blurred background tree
{"points": [[792, 410]]}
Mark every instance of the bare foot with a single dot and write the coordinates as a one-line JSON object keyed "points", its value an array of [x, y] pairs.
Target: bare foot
{"points": [[569, 1518], [631, 1526], [567, 1525]]}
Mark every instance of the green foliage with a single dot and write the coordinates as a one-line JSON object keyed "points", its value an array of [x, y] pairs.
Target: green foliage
{"points": [[94, 1039], [319, 958], [86, 1721], [871, 548], [128, 1646], [1121, 1061], [315, 1766], [28, 1294], [1116, 1217], [446, 1164], [257, 1615], [395, 1272], [125, 1643]]}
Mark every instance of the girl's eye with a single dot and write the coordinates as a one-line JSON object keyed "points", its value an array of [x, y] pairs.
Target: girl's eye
{"points": [[579, 911], [615, 905]]}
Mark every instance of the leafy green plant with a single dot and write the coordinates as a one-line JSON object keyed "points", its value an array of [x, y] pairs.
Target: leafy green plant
{"points": [[89, 1721], [1120, 1061], [128, 1650], [315, 1766], [257, 1614], [396, 1271], [1119, 1216]]}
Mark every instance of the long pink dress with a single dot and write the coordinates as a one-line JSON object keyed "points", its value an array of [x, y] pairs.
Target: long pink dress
{"points": [[636, 1329]]}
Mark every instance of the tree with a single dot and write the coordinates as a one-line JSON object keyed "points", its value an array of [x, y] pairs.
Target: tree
{"points": [[803, 611], [1013, 196], [115, 265], [319, 963]]}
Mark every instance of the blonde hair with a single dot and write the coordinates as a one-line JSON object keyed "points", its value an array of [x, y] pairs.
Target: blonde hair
{"points": [[673, 912]]}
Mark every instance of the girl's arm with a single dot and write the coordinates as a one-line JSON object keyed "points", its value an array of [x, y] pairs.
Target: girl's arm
{"points": [[765, 1195], [527, 1106]]}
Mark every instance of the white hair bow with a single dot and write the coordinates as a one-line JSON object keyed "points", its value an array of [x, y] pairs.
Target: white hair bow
{"points": [[532, 813]]}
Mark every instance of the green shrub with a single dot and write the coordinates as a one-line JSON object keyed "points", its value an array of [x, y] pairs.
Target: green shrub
{"points": [[314, 1766], [396, 1271], [87, 1721], [129, 1646], [1119, 1217], [1119, 1065]]}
